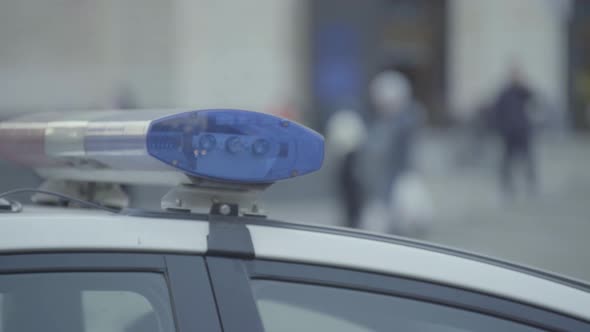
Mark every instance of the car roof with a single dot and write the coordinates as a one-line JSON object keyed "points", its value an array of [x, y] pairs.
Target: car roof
{"points": [[43, 229]]}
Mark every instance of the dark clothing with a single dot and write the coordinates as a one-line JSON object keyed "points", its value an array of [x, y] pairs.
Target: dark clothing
{"points": [[404, 127], [350, 188], [511, 119], [514, 126], [388, 154], [515, 152]]}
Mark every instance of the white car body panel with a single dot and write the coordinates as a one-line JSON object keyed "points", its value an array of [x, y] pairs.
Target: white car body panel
{"points": [[80, 230], [53, 229], [395, 259]]}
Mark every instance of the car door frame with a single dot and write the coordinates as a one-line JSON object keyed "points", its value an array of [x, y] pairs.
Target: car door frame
{"points": [[192, 302], [231, 279]]}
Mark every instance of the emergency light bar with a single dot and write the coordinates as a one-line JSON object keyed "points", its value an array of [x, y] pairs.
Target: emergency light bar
{"points": [[162, 147]]}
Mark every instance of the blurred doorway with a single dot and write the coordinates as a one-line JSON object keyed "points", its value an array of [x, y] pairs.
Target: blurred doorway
{"points": [[579, 50], [352, 40]]}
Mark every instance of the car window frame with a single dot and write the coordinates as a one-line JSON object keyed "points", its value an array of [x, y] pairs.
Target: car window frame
{"points": [[192, 302], [233, 294], [403, 287]]}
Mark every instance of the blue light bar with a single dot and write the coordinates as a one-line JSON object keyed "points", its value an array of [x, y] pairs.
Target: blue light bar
{"points": [[235, 145]]}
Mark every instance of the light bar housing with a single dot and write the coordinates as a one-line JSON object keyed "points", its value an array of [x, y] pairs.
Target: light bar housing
{"points": [[162, 146]]}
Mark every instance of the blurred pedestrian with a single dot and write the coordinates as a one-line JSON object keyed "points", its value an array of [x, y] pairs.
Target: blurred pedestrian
{"points": [[125, 98], [346, 133], [514, 126], [391, 140], [583, 92]]}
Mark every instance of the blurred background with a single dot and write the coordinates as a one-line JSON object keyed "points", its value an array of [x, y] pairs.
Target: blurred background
{"points": [[460, 122]]}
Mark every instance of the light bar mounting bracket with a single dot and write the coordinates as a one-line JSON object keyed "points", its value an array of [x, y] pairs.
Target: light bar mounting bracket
{"points": [[219, 198]]}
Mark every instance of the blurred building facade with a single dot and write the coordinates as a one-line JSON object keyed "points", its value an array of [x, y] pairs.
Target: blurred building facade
{"points": [[63, 54], [579, 65], [456, 52], [487, 38], [70, 54], [299, 59]]}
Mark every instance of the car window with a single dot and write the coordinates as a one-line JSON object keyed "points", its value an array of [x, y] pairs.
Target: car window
{"points": [[85, 301], [286, 307]]}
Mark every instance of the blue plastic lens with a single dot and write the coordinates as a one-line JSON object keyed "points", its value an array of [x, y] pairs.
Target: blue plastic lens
{"points": [[235, 145], [260, 147], [207, 142]]}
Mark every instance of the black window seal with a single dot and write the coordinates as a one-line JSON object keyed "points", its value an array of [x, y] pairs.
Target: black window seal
{"points": [[193, 303], [420, 290], [82, 261], [229, 237], [235, 301]]}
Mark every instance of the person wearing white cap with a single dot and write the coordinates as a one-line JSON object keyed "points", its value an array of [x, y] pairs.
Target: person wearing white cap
{"points": [[386, 159]]}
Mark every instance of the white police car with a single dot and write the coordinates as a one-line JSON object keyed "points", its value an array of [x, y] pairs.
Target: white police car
{"points": [[229, 268]]}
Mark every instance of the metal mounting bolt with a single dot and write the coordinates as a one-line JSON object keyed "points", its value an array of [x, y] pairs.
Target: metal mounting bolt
{"points": [[224, 209]]}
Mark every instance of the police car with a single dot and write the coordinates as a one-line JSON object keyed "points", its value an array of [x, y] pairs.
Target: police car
{"points": [[209, 259]]}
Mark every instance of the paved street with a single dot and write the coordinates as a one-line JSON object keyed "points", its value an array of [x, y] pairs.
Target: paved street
{"points": [[549, 230]]}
